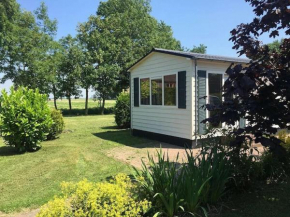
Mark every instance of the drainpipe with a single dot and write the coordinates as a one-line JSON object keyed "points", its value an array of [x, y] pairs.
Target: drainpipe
{"points": [[196, 102]]}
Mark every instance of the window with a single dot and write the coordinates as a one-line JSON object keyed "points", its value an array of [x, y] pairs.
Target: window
{"points": [[170, 90], [215, 90], [156, 91], [145, 91]]}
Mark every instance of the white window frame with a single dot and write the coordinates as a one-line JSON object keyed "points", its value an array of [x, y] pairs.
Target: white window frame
{"points": [[162, 80]]}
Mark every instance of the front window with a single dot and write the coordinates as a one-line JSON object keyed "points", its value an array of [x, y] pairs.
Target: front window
{"points": [[170, 90], [156, 91], [145, 91], [215, 90]]}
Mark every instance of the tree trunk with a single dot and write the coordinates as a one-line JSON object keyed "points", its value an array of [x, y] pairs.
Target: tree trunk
{"points": [[103, 106], [69, 102], [54, 97], [87, 101]]}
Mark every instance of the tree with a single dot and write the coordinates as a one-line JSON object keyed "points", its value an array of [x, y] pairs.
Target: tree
{"points": [[53, 66], [260, 91], [105, 82], [25, 45], [121, 32], [275, 45], [9, 12], [199, 49], [70, 68], [88, 77]]}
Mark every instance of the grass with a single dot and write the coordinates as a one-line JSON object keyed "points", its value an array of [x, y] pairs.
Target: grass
{"points": [[263, 201], [29, 180], [80, 103]]}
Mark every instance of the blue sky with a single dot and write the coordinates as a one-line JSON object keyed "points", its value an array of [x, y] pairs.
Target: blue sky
{"points": [[193, 22]]}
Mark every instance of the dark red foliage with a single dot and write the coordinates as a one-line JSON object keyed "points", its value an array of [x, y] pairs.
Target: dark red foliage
{"points": [[261, 89]]}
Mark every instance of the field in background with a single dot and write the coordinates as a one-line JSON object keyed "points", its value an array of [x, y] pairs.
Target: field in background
{"points": [[80, 103]]}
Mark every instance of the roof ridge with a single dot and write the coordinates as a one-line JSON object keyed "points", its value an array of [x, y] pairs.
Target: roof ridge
{"points": [[199, 54]]}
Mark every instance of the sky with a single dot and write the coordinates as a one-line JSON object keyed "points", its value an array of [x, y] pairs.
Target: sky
{"points": [[193, 22]]}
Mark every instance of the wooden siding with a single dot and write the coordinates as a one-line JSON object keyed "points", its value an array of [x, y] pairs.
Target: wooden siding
{"points": [[163, 119]]}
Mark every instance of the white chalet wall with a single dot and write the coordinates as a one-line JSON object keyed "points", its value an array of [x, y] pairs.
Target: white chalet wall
{"points": [[164, 119], [209, 67]]}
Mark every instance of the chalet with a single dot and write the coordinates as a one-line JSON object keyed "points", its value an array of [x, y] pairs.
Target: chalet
{"points": [[166, 93]]}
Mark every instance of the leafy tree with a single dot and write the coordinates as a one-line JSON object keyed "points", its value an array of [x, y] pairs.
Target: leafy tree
{"points": [[121, 32], [199, 49], [261, 89], [105, 82], [25, 45], [53, 66], [88, 75], [275, 45], [9, 12], [70, 68]]}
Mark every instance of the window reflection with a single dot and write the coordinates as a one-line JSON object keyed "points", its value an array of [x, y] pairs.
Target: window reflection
{"points": [[156, 91], [170, 90]]}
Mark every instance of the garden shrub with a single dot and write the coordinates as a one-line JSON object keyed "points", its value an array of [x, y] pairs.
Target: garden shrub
{"points": [[274, 169], [283, 135], [122, 110], [186, 187], [245, 168], [25, 118], [115, 198], [57, 126]]}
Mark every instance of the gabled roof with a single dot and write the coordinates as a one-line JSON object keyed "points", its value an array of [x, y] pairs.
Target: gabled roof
{"points": [[197, 56]]}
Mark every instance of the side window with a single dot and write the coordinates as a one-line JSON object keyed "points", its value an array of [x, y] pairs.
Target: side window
{"points": [[145, 91], [215, 91], [156, 91], [170, 90]]}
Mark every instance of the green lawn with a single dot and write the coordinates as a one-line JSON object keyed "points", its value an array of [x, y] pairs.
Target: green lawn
{"points": [[80, 103], [31, 179]]}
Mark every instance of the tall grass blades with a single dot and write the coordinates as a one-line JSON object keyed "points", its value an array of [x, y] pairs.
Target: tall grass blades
{"points": [[198, 181], [159, 181]]}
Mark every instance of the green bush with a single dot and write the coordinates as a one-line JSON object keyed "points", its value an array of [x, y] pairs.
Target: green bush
{"points": [[274, 169], [25, 118], [122, 110], [57, 126], [283, 135], [115, 198]]}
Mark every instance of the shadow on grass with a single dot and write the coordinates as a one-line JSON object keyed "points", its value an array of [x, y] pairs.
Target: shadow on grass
{"points": [[123, 137], [8, 151], [110, 128]]}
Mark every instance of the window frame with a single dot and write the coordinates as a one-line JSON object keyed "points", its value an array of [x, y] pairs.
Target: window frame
{"points": [[163, 93], [162, 88], [207, 88]]}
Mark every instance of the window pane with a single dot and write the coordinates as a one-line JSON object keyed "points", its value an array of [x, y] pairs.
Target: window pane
{"points": [[215, 90], [170, 90], [145, 91], [156, 91]]}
